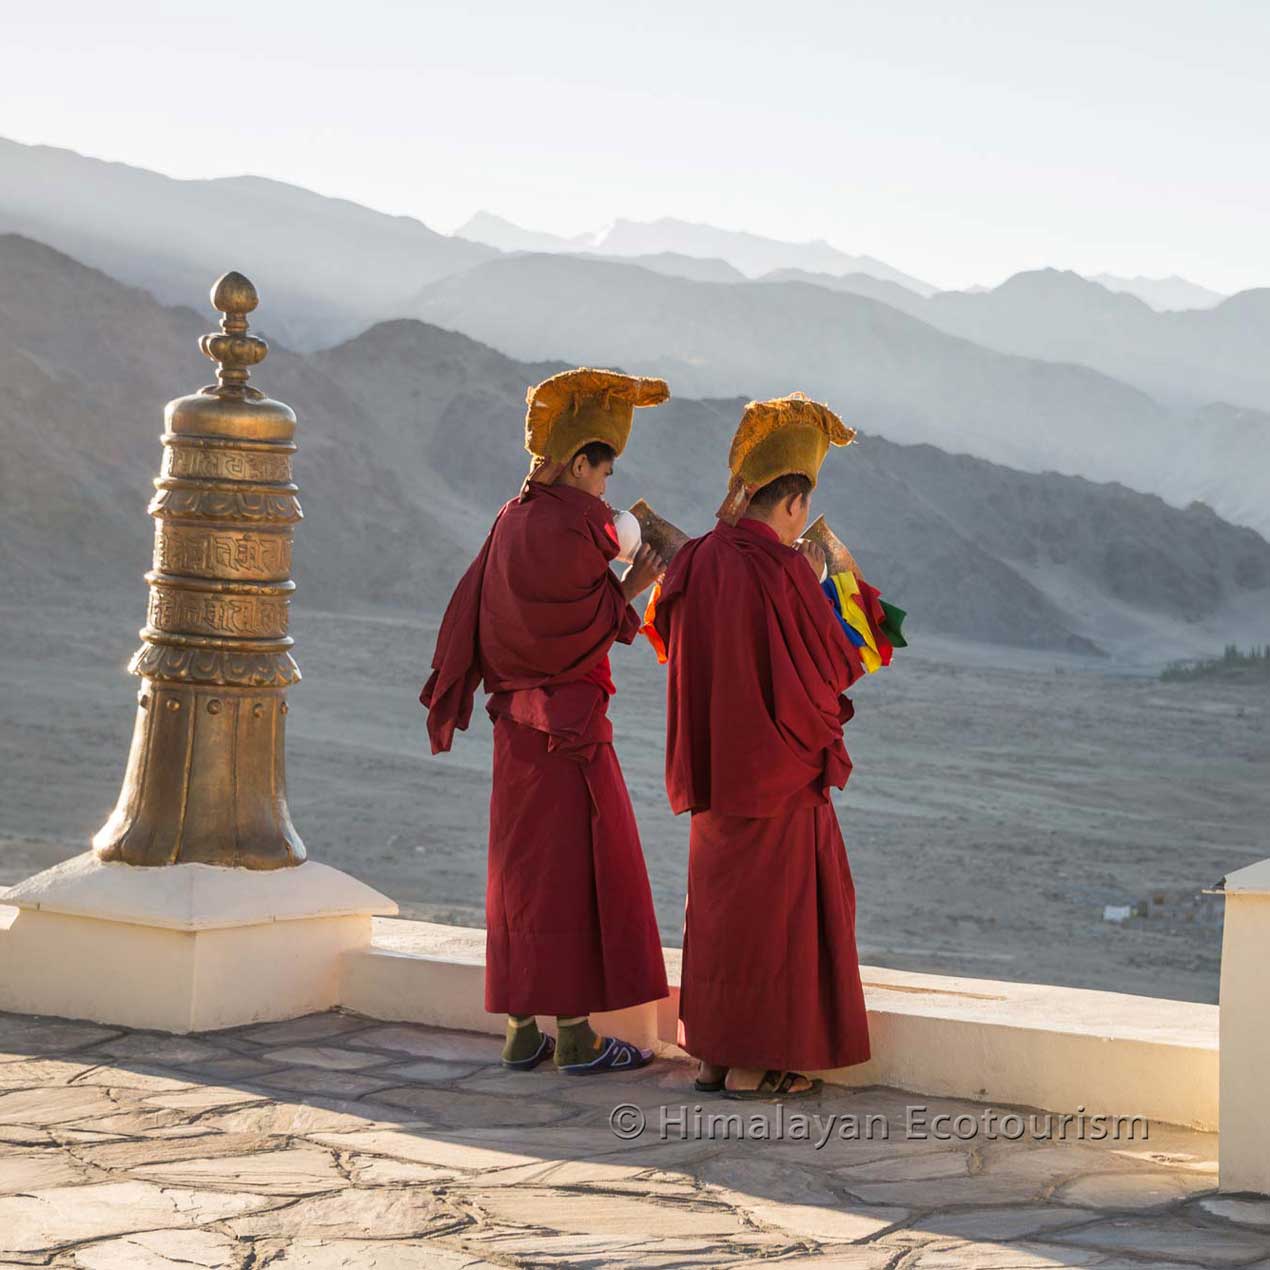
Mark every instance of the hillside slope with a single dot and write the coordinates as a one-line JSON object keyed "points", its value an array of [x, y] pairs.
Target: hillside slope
{"points": [[411, 438]]}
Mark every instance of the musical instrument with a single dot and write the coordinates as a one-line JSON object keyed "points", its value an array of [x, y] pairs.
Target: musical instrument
{"points": [[837, 555], [664, 538]]}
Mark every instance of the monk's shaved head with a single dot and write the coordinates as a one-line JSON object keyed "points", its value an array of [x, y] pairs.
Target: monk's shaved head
{"points": [[783, 504], [792, 484]]}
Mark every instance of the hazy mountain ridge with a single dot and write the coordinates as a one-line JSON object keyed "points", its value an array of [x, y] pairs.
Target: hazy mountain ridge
{"points": [[332, 267], [888, 372], [410, 438], [495, 231], [1170, 337], [815, 262], [1162, 294], [892, 293], [752, 255], [1191, 357]]}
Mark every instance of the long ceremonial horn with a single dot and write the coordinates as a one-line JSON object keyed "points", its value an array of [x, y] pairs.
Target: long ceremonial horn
{"points": [[664, 538], [839, 558]]}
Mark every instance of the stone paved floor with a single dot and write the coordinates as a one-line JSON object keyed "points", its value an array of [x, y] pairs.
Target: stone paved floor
{"points": [[337, 1141]]}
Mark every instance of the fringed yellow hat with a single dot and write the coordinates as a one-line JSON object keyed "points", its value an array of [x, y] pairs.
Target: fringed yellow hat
{"points": [[775, 438], [576, 407]]}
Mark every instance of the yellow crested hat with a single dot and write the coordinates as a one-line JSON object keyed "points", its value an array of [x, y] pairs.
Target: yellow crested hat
{"points": [[576, 407], [776, 438]]}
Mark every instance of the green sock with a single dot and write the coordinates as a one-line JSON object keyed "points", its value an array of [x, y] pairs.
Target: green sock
{"points": [[523, 1037], [575, 1040]]}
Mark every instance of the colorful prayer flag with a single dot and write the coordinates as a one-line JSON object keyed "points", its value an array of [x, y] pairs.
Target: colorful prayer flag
{"points": [[871, 624]]}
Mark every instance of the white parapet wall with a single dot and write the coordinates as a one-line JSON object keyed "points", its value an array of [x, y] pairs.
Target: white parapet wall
{"points": [[192, 948], [1245, 1031], [1067, 1050]]}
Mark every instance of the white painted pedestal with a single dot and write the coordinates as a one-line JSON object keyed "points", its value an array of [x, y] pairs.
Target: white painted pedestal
{"points": [[1244, 1150], [183, 948]]}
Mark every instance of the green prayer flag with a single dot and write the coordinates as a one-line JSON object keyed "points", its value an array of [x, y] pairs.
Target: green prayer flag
{"points": [[892, 625]]}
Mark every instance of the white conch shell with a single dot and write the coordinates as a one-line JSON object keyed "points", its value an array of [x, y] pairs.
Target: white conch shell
{"points": [[629, 536]]}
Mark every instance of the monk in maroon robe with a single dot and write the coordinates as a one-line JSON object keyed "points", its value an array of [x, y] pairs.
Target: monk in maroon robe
{"points": [[757, 663], [570, 924]]}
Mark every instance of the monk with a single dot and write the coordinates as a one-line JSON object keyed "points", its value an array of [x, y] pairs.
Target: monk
{"points": [[570, 925], [757, 663]]}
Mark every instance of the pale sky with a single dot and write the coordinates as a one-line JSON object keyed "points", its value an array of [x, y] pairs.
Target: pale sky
{"points": [[960, 142]]}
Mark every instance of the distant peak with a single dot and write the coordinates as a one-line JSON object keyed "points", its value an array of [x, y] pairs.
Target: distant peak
{"points": [[1163, 293], [1048, 280], [497, 231], [484, 219]]}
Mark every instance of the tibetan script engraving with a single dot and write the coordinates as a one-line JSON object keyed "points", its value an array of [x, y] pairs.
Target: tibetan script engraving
{"points": [[226, 464], [197, 613], [208, 553]]}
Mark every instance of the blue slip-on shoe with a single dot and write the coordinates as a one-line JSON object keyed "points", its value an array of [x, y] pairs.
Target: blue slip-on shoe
{"points": [[616, 1056]]}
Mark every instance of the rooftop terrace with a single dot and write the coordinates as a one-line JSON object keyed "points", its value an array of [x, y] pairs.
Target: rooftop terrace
{"points": [[338, 1140]]}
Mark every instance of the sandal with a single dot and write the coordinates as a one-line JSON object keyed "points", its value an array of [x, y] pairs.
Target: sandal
{"points": [[710, 1086], [616, 1056], [546, 1048], [777, 1084]]}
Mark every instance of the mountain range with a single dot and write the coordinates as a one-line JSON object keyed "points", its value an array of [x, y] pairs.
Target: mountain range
{"points": [[335, 268], [755, 257], [889, 372], [751, 255], [332, 267], [1162, 293], [1188, 358], [410, 438], [1047, 371]]}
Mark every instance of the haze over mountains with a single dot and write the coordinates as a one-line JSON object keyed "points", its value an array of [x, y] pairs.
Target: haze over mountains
{"points": [[410, 438], [333, 266], [888, 372], [751, 254], [755, 256], [1162, 293], [1047, 371]]}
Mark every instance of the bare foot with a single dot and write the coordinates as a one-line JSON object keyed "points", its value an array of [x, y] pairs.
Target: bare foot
{"points": [[743, 1078], [710, 1073]]}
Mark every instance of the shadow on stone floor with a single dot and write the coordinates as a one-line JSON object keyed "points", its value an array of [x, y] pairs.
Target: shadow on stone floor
{"points": [[339, 1140]]}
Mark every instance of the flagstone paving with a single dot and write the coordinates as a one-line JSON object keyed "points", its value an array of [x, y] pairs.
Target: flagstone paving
{"points": [[337, 1141]]}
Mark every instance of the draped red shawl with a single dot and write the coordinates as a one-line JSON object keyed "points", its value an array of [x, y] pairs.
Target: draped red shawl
{"points": [[538, 609], [757, 660]]}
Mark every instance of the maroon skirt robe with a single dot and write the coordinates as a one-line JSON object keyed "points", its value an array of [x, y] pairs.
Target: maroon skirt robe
{"points": [[570, 923], [787, 993], [757, 663], [569, 918]]}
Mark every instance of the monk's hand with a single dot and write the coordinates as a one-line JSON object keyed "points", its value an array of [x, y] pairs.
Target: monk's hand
{"points": [[814, 554], [645, 569]]}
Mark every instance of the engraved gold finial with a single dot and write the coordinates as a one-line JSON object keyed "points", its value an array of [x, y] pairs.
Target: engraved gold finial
{"points": [[206, 780], [234, 351]]}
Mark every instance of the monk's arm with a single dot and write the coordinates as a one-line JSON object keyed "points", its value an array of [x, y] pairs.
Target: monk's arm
{"points": [[644, 570]]}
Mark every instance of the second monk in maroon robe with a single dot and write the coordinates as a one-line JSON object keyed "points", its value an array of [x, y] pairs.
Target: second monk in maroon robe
{"points": [[757, 663]]}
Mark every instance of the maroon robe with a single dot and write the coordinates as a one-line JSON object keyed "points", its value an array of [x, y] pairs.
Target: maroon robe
{"points": [[569, 919], [757, 662]]}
